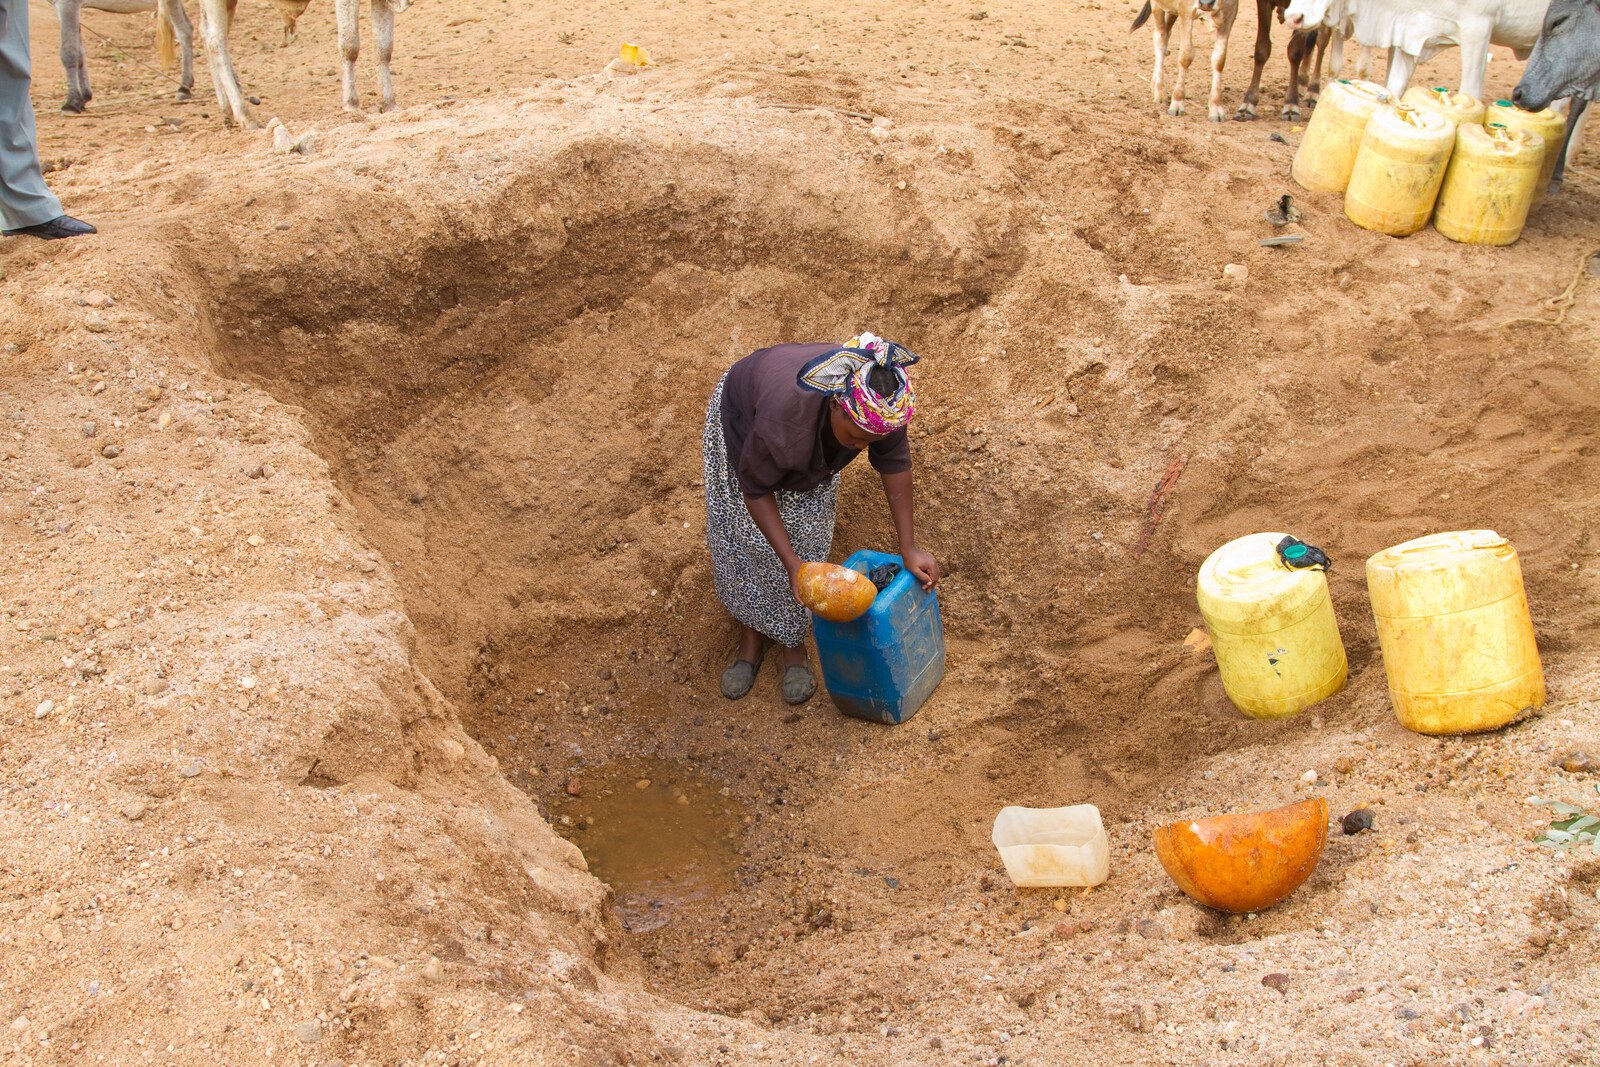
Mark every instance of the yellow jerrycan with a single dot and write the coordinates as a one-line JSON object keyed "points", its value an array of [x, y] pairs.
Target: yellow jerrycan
{"points": [[1271, 624], [1459, 108], [1455, 631], [1398, 170], [1488, 187], [1547, 124], [1322, 162]]}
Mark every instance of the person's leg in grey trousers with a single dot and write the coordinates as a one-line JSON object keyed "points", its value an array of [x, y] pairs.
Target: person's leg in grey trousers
{"points": [[25, 200]]}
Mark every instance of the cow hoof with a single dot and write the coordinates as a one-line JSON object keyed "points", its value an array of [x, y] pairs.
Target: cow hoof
{"points": [[1246, 113], [1176, 108], [1217, 114], [72, 107], [1291, 114], [184, 92]]}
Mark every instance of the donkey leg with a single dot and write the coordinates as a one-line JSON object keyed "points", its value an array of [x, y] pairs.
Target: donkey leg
{"points": [[172, 12], [348, 11], [69, 13], [383, 31]]}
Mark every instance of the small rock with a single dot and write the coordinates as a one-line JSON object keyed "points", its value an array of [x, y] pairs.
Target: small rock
{"points": [[1407, 1011], [45, 708], [96, 299], [936, 1042], [20, 1023], [433, 970], [643, 783], [155, 686], [673, 1053], [1072, 409], [307, 144], [95, 323], [1066, 928], [882, 122], [282, 143], [82, 460], [1344, 765], [1236, 272], [1357, 821], [308, 1032], [1345, 280], [163, 420], [1576, 762], [1309, 778], [1145, 1016], [1413, 263], [111, 451], [90, 428], [255, 540], [1277, 981], [134, 810], [1197, 641], [717, 958], [1150, 929], [1539, 939], [51, 932], [191, 771], [574, 788]]}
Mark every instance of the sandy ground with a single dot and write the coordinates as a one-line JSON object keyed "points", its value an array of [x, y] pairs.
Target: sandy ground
{"points": [[351, 509]]}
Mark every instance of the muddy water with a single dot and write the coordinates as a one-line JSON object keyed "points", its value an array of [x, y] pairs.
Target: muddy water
{"points": [[663, 836]]}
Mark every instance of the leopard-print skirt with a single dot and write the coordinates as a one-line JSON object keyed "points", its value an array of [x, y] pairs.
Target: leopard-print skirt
{"points": [[750, 580]]}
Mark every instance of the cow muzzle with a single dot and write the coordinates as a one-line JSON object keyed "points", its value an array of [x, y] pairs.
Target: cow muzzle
{"points": [[1207, 6]]}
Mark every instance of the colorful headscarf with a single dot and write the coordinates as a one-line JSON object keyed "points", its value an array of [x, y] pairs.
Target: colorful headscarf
{"points": [[844, 373]]}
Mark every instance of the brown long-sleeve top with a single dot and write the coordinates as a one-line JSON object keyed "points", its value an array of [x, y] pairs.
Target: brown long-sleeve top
{"points": [[778, 434]]}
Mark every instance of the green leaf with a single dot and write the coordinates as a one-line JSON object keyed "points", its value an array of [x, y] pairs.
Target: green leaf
{"points": [[1557, 836], [1585, 822], [1559, 805]]}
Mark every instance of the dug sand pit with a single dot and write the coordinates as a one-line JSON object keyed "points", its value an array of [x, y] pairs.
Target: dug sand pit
{"points": [[353, 516]]}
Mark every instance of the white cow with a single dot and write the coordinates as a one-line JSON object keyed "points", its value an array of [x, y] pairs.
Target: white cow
{"points": [[1416, 30]]}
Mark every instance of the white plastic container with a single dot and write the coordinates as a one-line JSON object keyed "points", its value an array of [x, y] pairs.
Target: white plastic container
{"points": [[1053, 846]]}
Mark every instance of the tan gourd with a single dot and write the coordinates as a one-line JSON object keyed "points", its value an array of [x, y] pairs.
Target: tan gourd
{"points": [[1488, 187], [837, 593], [1398, 170], [1327, 152]]}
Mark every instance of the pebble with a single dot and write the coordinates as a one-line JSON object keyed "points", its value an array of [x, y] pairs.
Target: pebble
{"points": [[308, 1032], [643, 783], [164, 420], [717, 958], [96, 299], [90, 428], [45, 707], [111, 451], [1344, 765], [134, 810], [95, 323], [81, 460], [1145, 1016], [191, 771], [155, 686], [1150, 929], [20, 1023], [574, 788], [1309, 778], [433, 970], [1236, 272], [1357, 821], [1276, 980], [1576, 762]]}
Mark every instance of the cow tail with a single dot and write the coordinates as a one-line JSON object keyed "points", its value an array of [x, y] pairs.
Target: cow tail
{"points": [[166, 41], [1144, 16]]}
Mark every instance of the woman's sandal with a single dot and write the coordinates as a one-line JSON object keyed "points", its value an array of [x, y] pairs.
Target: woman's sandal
{"points": [[798, 683], [738, 678]]}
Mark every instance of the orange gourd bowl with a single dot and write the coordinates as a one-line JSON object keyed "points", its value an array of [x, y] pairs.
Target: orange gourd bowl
{"points": [[836, 593], [1246, 861]]}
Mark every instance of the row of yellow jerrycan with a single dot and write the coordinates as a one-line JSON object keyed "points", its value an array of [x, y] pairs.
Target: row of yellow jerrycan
{"points": [[1476, 170], [1452, 618]]}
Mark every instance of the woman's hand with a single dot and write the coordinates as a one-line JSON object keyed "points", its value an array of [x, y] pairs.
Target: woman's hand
{"points": [[920, 562], [792, 565]]}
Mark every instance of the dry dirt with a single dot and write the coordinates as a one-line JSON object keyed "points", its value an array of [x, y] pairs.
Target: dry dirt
{"points": [[351, 507]]}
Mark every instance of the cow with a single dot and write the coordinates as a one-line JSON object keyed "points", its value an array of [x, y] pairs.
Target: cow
{"points": [[1183, 13], [1565, 62], [1416, 30], [1301, 41]]}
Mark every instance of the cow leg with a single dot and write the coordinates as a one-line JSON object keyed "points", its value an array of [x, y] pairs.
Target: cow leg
{"points": [[350, 46], [69, 13], [1401, 66], [1364, 61], [383, 32], [1185, 57], [1160, 31], [1474, 54], [1296, 54], [1314, 88], [214, 21], [1247, 107], [1222, 20]]}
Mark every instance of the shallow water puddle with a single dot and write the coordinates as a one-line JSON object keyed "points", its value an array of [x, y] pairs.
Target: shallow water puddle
{"points": [[662, 835]]}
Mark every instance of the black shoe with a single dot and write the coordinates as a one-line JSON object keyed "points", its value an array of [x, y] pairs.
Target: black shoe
{"points": [[54, 230]]}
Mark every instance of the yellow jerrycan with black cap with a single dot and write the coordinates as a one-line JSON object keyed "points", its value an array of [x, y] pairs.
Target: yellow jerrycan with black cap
{"points": [[1488, 187], [1549, 126], [1265, 601], [1456, 634], [1328, 150], [1398, 169]]}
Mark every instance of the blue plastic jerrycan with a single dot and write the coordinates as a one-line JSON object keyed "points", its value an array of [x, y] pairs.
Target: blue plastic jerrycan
{"points": [[883, 665]]}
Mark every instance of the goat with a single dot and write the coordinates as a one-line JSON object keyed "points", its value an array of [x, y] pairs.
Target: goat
{"points": [[1183, 13], [1301, 41], [1565, 62]]}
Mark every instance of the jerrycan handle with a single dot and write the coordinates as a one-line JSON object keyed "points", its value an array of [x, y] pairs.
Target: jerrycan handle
{"points": [[1296, 555], [1412, 116], [1501, 137]]}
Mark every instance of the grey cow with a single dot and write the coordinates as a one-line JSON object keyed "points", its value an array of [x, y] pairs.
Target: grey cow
{"points": [[1565, 62]]}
